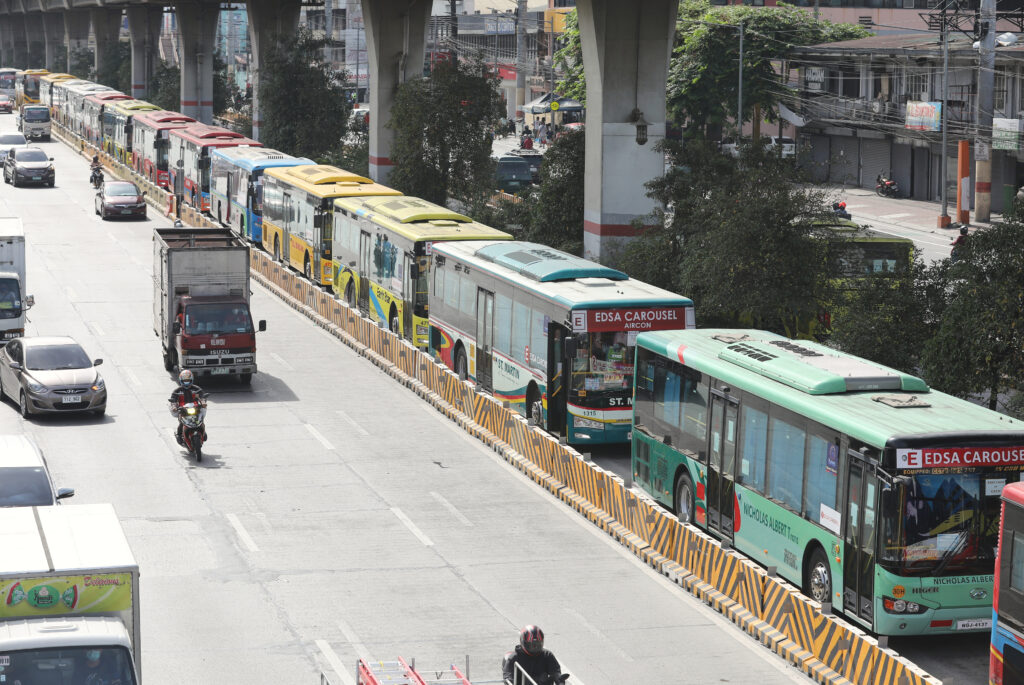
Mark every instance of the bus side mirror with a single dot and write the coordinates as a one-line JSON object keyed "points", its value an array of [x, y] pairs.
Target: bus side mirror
{"points": [[176, 329], [570, 348], [414, 271], [318, 220]]}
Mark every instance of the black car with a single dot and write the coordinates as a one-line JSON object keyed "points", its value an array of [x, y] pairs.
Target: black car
{"points": [[534, 159], [513, 174], [28, 164], [120, 198]]}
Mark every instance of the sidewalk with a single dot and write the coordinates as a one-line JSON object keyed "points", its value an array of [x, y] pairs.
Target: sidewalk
{"points": [[867, 207]]}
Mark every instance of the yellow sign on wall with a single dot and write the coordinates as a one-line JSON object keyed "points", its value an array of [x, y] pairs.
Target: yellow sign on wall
{"points": [[58, 595], [554, 19]]}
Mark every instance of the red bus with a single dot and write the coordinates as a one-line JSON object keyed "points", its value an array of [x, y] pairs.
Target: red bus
{"points": [[1006, 653], [150, 141], [189, 154]]}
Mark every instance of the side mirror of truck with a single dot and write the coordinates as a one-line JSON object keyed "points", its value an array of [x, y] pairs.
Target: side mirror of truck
{"points": [[176, 329], [97, 362], [262, 325], [30, 301], [64, 493]]}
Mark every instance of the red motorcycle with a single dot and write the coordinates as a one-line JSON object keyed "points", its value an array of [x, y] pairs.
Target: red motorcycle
{"points": [[886, 187]]}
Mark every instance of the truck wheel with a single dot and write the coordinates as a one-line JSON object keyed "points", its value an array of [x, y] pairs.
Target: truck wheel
{"points": [[245, 378]]}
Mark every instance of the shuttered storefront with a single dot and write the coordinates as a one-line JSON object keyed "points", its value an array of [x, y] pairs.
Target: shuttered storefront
{"points": [[845, 161], [874, 160]]}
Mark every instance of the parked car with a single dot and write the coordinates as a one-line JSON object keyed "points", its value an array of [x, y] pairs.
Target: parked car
{"points": [[513, 174], [5, 104], [51, 375], [120, 198], [534, 159], [8, 141], [28, 164], [24, 478]]}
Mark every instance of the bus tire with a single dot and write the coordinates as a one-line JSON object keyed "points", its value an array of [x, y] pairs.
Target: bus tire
{"points": [[307, 269], [818, 576], [683, 498], [277, 249], [534, 405], [393, 322], [461, 368], [350, 294]]}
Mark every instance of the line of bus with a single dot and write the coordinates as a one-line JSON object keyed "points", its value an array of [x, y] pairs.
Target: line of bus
{"points": [[26, 86], [298, 214], [8, 78], [857, 482], [382, 250], [93, 107], [118, 120], [552, 334], [1006, 652], [189, 154], [46, 84], [150, 143], [236, 186]]}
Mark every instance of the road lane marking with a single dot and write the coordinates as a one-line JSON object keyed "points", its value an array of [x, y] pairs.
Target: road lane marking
{"points": [[596, 632], [282, 362], [97, 329], [243, 534], [898, 215], [132, 378], [411, 526], [359, 429], [72, 295], [335, 662], [353, 640], [451, 507], [316, 434]]}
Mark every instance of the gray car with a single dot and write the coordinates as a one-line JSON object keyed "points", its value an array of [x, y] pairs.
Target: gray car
{"points": [[8, 141], [51, 376], [28, 164]]}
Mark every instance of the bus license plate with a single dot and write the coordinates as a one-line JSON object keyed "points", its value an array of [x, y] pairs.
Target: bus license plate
{"points": [[71, 399], [220, 372], [974, 624]]}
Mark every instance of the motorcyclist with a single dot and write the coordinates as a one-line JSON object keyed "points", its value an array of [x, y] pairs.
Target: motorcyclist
{"points": [[186, 392], [959, 242], [95, 169], [537, 662]]}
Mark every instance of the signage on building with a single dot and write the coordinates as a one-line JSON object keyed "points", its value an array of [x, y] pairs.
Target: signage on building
{"points": [[1006, 134], [924, 116], [502, 25], [814, 78]]}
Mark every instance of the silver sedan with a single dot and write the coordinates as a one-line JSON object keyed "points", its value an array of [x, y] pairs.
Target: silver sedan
{"points": [[51, 376]]}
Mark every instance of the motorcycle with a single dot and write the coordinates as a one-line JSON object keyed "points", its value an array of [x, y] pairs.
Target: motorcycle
{"points": [[886, 187], [192, 417], [840, 210], [96, 177]]}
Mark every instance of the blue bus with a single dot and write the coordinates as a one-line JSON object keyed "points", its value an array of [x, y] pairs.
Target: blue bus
{"points": [[552, 334], [236, 186]]}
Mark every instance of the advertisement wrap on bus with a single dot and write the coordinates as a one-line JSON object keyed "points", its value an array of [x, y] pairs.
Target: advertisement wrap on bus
{"points": [[859, 483]]}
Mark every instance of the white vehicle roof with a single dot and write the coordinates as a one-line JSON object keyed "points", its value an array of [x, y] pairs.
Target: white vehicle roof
{"points": [[18, 451], [80, 631], [74, 538], [11, 227]]}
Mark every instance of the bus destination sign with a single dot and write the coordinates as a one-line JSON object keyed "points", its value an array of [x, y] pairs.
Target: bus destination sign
{"points": [[638, 319], [941, 457]]}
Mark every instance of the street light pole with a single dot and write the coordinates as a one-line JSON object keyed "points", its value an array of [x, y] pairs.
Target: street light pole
{"points": [[739, 104], [944, 220]]}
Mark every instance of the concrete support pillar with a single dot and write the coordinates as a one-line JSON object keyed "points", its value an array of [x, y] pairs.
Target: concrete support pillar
{"points": [[53, 38], [35, 39], [268, 21], [144, 28], [197, 26], [6, 48], [106, 27], [19, 41], [76, 30], [395, 43], [626, 49]]}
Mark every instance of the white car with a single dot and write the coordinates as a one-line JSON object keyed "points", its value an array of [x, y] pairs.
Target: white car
{"points": [[9, 140]]}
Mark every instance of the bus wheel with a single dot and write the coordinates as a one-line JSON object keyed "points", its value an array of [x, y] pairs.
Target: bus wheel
{"points": [[307, 270], [534, 406], [350, 294], [818, 577], [277, 249], [684, 498], [393, 322], [461, 368]]}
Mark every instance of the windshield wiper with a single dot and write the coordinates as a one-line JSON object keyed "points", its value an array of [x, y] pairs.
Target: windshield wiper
{"points": [[947, 556]]}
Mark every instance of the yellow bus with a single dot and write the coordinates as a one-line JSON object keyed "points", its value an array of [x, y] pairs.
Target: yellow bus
{"points": [[298, 204], [382, 252], [46, 89], [26, 86], [117, 127]]}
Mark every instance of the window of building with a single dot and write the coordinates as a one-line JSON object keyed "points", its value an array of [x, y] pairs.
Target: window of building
{"points": [[999, 88], [917, 85]]}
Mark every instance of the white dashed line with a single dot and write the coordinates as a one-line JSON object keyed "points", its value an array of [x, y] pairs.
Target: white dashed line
{"points": [[335, 662], [316, 434], [359, 429], [72, 295], [243, 534], [898, 215], [411, 526], [353, 640], [277, 358], [97, 329], [451, 507], [132, 378]]}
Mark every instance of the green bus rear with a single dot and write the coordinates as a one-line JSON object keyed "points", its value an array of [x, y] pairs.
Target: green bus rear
{"points": [[858, 483]]}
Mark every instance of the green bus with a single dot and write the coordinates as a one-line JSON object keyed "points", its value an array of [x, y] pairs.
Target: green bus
{"points": [[858, 483]]}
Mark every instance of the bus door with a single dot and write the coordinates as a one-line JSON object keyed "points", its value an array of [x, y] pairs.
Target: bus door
{"points": [[365, 261], [408, 294], [721, 461], [861, 521], [556, 378], [484, 336]]}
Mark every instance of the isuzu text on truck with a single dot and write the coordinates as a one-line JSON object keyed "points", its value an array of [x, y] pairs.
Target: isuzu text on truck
{"points": [[70, 589], [13, 300], [201, 302]]}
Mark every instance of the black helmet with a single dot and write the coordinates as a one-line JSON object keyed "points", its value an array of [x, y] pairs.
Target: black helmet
{"points": [[531, 639], [963, 230]]}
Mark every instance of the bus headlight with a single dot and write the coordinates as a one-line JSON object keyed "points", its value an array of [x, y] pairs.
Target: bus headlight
{"points": [[580, 422], [899, 606]]}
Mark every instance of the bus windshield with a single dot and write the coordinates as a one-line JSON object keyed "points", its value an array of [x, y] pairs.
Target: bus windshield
{"points": [[944, 523], [603, 362], [7, 81], [32, 86]]}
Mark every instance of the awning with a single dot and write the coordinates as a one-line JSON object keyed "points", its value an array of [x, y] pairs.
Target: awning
{"points": [[791, 116]]}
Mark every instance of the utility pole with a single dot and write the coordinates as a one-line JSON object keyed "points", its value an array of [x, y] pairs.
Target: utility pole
{"points": [[520, 58], [739, 104], [944, 220], [329, 30], [453, 30], [986, 101]]}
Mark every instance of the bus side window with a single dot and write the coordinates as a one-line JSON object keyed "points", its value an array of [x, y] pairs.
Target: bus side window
{"points": [[786, 459], [753, 458]]}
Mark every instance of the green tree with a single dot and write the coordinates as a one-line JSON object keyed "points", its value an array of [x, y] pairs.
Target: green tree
{"points": [[302, 100], [82, 63], [116, 71], [165, 87], [225, 92], [443, 127], [978, 348], [753, 258], [569, 60], [352, 155], [556, 215], [703, 72]]}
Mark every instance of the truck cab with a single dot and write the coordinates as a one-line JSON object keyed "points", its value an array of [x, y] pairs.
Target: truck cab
{"points": [[34, 121], [214, 336], [54, 650]]}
